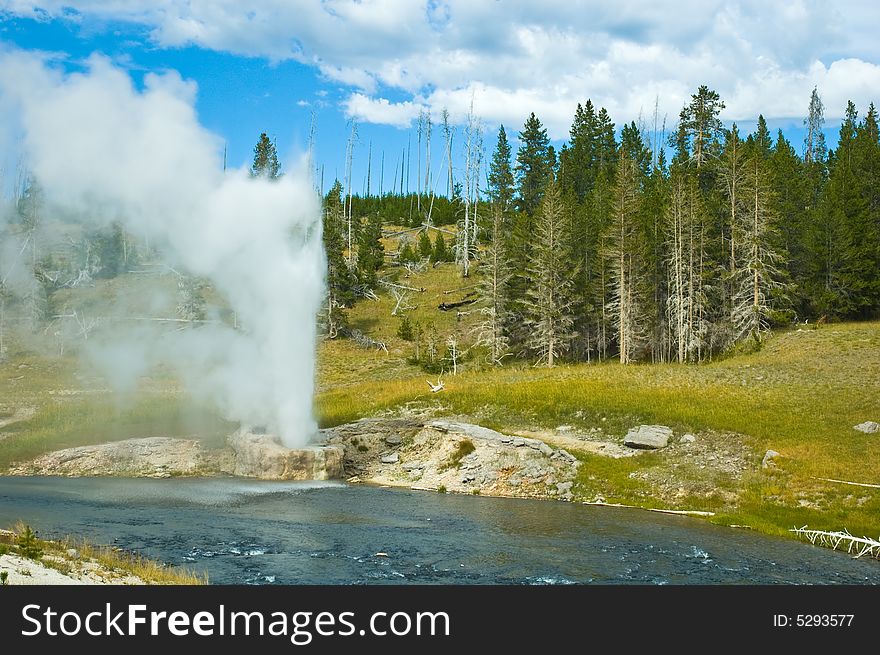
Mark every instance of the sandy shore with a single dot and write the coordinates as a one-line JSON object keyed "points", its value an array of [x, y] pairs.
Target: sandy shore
{"points": [[23, 571]]}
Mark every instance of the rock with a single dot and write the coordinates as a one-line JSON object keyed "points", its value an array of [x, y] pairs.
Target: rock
{"points": [[564, 428], [149, 457], [648, 436], [769, 456], [393, 458], [868, 427], [261, 456], [687, 438], [393, 439], [562, 487], [545, 449], [73, 553]]}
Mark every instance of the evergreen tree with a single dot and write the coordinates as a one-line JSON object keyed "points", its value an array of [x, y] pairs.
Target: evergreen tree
{"points": [[757, 274], [407, 255], [843, 239], [371, 252], [699, 127], [501, 181], [791, 197], [265, 159], [340, 279], [550, 297], [578, 161], [440, 252], [493, 290], [533, 165], [425, 245], [761, 139]]}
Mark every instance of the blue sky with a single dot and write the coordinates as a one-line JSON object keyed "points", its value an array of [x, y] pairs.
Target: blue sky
{"points": [[269, 65]]}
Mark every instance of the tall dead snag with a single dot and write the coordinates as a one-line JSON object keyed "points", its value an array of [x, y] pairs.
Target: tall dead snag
{"points": [[731, 174], [466, 241], [626, 263], [349, 157], [550, 299], [686, 303], [491, 332], [447, 135]]}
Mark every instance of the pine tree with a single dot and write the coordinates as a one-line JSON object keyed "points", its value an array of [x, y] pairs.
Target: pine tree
{"points": [[757, 274], [791, 196], [440, 253], [533, 165], [550, 296], [840, 251], [501, 182], [699, 126], [425, 245], [406, 254], [762, 139], [493, 292], [265, 159], [371, 252], [340, 279], [578, 167]]}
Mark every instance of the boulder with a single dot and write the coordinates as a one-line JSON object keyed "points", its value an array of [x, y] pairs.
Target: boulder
{"points": [[687, 438], [868, 427], [769, 456], [392, 458], [393, 439], [648, 436], [261, 456]]}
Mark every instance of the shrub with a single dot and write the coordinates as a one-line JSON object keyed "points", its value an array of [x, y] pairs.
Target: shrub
{"points": [[28, 544], [464, 448], [405, 329]]}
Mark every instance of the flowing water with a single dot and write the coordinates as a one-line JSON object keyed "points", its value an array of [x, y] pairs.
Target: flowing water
{"points": [[243, 532]]}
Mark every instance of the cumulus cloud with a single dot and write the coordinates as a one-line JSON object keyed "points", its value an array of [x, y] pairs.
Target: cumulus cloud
{"points": [[761, 57], [104, 151], [380, 110]]}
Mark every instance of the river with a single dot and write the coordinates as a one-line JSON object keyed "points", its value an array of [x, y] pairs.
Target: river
{"points": [[250, 532]]}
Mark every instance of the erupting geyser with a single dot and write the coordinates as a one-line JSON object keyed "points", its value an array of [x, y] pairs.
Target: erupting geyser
{"points": [[105, 151]]}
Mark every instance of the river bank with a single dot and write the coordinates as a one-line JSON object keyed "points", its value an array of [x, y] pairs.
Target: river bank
{"points": [[25, 559]]}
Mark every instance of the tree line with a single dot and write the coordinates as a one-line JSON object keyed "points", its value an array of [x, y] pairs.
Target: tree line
{"points": [[610, 248]]}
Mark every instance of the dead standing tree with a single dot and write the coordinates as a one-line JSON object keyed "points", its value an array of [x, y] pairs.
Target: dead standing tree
{"points": [[466, 242]]}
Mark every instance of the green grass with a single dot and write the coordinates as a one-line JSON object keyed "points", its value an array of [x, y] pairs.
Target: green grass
{"points": [[800, 396]]}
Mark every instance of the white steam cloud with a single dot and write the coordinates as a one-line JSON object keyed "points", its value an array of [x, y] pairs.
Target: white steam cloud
{"points": [[103, 150]]}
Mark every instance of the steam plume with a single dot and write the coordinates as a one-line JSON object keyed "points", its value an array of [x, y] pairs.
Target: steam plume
{"points": [[104, 151]]}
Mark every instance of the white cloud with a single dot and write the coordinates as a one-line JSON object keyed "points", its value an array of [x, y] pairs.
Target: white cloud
{"points": [[522, 55], [380, 110]]}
